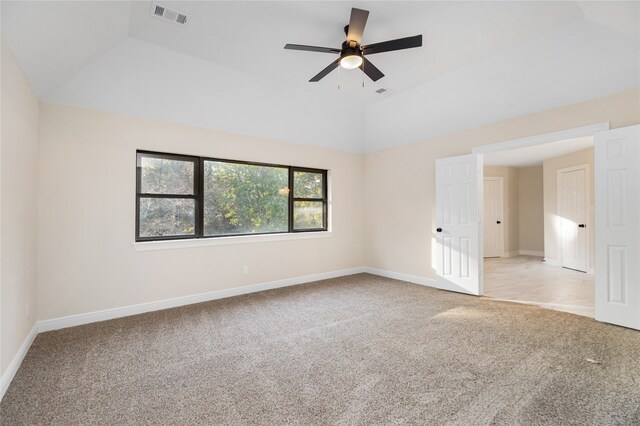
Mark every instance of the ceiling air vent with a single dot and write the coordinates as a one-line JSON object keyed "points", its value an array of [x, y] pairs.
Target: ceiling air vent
{"points": [[168, 14], [158, 10]]}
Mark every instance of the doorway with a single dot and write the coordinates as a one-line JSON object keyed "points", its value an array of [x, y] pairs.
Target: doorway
{"points": [[546, 193], [616, 183]]}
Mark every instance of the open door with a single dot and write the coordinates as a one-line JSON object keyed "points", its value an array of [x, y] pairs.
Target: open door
{"points": [[617, 215], [458, 202]]}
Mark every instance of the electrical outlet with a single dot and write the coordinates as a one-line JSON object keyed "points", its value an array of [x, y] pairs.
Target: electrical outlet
{"points": [[27, 310], [245, 269]]}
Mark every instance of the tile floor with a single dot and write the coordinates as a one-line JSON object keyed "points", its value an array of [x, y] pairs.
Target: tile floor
{"points": [[527, 279]]}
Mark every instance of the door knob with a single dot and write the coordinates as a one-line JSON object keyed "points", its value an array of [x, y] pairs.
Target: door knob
{"points": [[439, 230], [582, 225], [498, 222]]}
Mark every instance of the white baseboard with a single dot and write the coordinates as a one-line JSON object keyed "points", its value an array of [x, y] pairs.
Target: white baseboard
{"points": [[8, 375], [510, 253], [429, 282], [107, 314], [531, 253]]}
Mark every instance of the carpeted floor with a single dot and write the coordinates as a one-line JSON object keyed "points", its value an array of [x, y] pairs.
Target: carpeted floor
{"points": [[353, 350]]}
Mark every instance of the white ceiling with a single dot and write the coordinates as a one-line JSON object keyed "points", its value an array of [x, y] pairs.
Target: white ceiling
{"points": [[534, 155], [481, 62]]}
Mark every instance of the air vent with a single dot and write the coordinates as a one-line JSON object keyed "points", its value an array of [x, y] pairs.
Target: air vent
{"points": [[158, 10], [381, 90], [168, 14]]}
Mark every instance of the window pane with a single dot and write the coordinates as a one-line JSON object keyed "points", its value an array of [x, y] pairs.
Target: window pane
{"points": [[245, 199], [308, 215], [307, 185], [164, 176], [167, 217]]}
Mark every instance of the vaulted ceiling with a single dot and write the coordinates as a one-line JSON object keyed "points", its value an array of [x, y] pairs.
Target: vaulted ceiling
{"points": [[481, 62]]}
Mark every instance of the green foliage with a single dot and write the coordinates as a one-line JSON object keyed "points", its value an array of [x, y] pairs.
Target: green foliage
{"points": [[307, 185], [238, 198], [307, 215], [165, 216], [164, 176], [244, 199]]}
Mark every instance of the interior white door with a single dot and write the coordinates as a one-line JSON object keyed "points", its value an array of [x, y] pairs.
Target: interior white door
{"points": [[492, 220], [458, 199], [572, 209], [617, 216]]}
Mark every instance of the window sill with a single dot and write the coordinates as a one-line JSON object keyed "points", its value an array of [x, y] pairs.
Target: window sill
{"points": [[222, 241]]}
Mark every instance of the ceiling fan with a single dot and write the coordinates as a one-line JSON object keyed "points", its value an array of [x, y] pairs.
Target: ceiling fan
{"points": [[352, 54]]}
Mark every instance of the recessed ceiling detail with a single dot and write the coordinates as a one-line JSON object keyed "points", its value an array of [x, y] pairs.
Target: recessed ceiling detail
{"points": [[480, 63]]}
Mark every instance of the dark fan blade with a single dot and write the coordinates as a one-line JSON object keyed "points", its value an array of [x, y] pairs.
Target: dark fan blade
{"points": [[311, 48], [326, 71], [369, 69], [356, 24], [388, 46]]}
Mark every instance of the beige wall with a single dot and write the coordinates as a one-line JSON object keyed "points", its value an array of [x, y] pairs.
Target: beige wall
{"points": [[531, 218], [552, 244], [18, 223], [87, 208], [382, 205], [400, 182], [510, 205]]}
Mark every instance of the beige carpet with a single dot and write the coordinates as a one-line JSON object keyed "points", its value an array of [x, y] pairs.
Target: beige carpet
{"points": [[353, 350]]}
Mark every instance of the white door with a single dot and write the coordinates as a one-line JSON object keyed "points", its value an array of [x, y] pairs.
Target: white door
{"points": [[617, 200], [492, 219], [572, 209], [458, 199]]}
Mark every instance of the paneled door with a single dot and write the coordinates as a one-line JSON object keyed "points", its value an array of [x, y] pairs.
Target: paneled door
{"points": [[617, 215], [492, 220], [572, 211], [458, 200]]}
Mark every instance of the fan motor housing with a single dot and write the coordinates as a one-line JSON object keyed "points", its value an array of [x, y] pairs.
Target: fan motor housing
{"points": [[347, 50]]}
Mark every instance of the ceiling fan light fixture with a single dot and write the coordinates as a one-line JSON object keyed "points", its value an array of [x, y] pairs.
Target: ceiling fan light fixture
{"points": [[351, 62], [352, 52]]}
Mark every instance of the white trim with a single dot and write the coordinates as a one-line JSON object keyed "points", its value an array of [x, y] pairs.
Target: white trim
{"points": [[576, 132], [107, 314], [531, 253], [13, 367], [429, 282], [510, 253], [220, 241], [543, 138]]}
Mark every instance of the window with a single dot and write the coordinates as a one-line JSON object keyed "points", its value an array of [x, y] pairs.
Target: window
{"points": [[309, 200], [180, 196], [167, 196]]}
